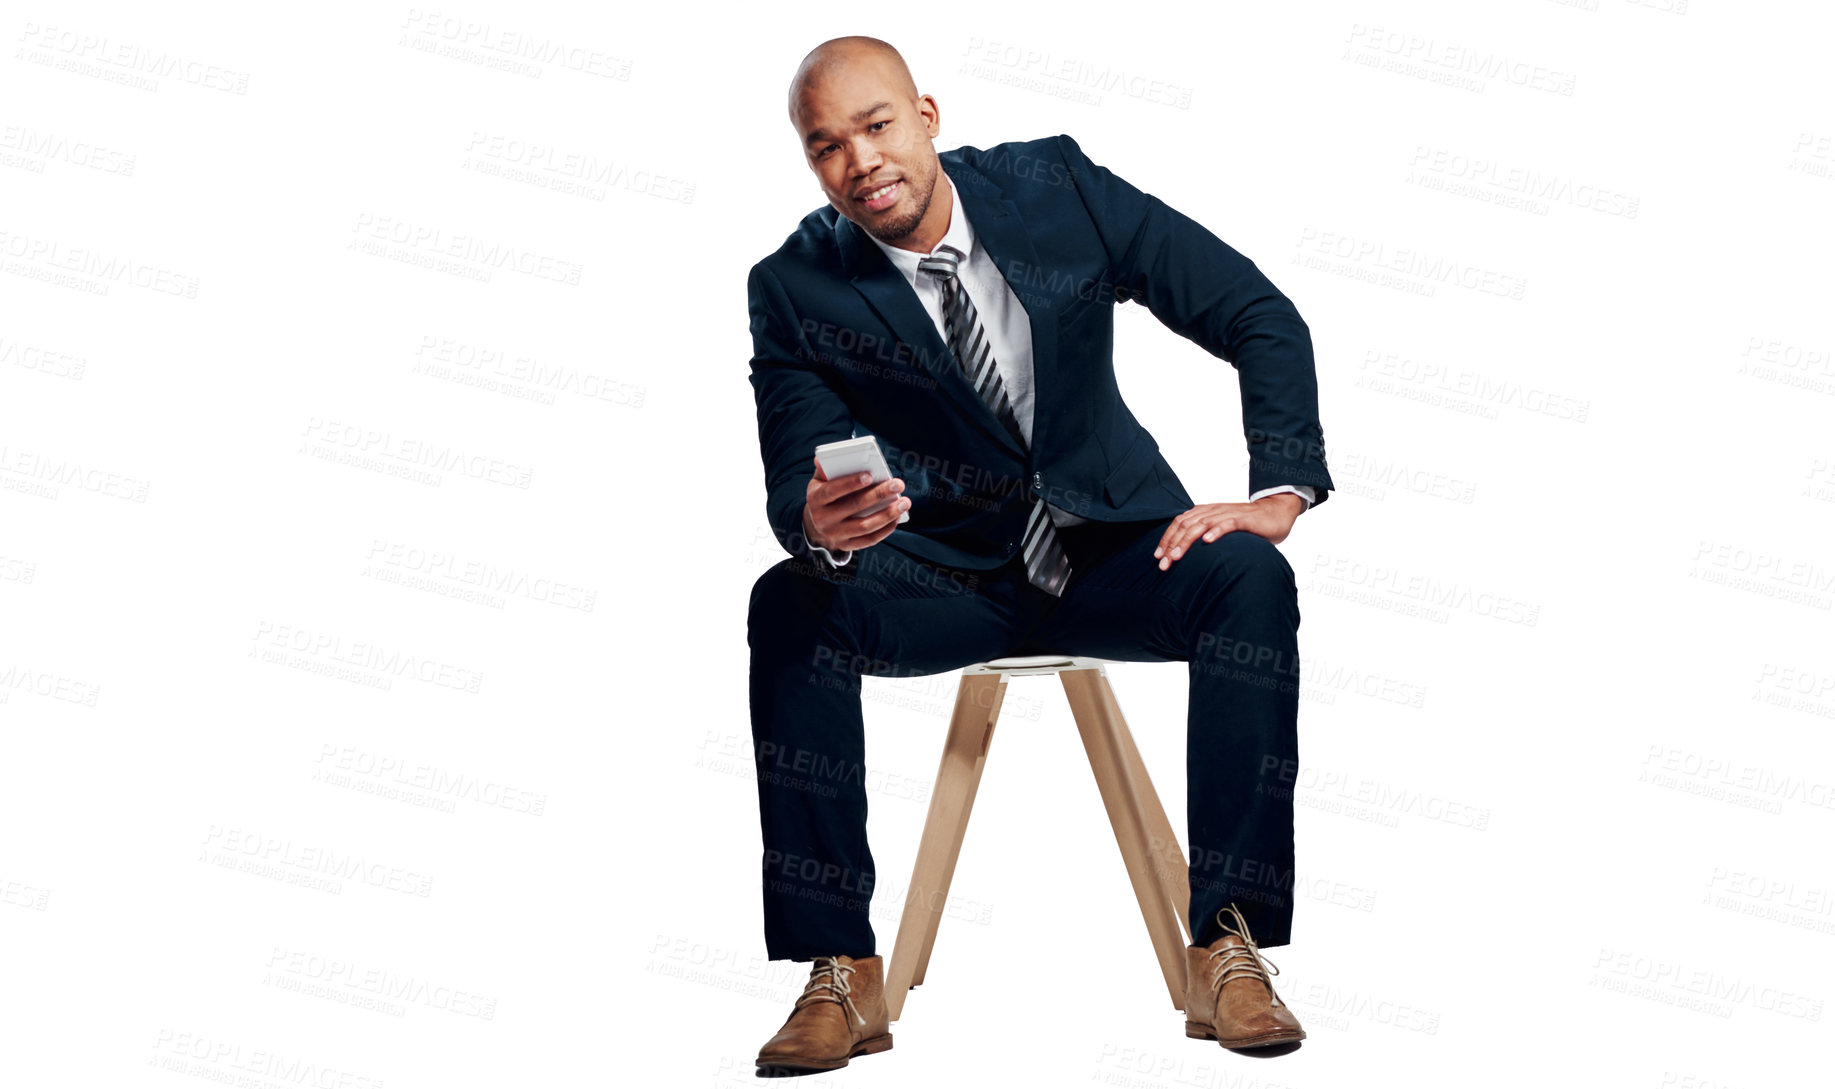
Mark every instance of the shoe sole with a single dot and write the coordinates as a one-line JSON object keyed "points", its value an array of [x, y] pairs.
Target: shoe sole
{"points": [[779, 1067], [1200, 1031]]}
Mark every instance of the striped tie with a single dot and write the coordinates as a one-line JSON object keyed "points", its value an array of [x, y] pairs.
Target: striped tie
{"points": [[1046, 565]]}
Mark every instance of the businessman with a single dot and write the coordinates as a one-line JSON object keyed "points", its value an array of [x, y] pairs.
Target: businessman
{"points": [[960, 308]]}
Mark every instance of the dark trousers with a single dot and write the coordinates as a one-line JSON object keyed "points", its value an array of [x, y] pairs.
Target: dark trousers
{"points": [[1229, 608]]}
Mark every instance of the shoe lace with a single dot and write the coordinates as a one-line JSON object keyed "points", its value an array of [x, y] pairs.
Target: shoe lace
{"points": [[1244, 961], [828, 982]]}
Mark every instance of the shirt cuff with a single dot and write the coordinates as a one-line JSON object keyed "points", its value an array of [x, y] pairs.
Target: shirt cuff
{"points": [[830, 557], [1304, 491], [823, 552]]}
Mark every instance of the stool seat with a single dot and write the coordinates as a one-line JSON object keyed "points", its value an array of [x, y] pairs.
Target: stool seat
{"points": [[1150, 850], [1023, 661], [1024, 664]]}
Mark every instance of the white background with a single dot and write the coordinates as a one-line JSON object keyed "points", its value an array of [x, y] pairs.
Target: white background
{"points": [[314, 556]]}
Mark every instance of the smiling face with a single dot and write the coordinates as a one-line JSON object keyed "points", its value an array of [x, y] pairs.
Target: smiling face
{"points": [[866, 135]]}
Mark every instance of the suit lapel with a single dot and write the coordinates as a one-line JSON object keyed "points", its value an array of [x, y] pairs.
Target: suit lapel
{"points": [[1000, 231]]}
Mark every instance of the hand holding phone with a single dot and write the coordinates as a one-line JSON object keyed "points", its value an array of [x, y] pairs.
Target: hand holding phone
{"points": [[855, 455], [853, 499]]}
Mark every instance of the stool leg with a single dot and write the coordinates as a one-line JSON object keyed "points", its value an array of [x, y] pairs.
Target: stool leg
{"points": [[1170, 867], [1099, 720], [965, 752]]}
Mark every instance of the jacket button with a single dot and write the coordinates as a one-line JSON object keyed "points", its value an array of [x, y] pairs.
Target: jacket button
{"points": [[1038, 480]]}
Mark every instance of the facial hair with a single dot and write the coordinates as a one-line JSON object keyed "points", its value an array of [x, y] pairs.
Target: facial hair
{"points": [[890, 231]]}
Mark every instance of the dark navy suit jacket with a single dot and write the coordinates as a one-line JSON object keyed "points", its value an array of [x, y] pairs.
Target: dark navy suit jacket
{"points": [[843, 346]]}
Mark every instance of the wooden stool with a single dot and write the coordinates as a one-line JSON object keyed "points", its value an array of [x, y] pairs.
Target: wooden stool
{"points": [[1155, 861]]}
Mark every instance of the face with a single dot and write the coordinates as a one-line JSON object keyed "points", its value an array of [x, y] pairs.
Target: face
{"points": [[861, 135]]}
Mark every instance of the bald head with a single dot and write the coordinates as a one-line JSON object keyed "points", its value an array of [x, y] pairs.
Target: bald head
{"points": [[857, 54]]}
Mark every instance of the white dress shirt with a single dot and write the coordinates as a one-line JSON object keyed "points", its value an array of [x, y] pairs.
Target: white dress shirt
{"points": [[1008, 331]]}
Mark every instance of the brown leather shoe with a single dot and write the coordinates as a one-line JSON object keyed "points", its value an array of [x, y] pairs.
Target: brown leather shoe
{"points": [[840, 1014], [1229, 996]]}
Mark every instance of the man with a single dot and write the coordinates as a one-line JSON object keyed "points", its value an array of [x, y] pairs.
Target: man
{"points": [[959, 308]]}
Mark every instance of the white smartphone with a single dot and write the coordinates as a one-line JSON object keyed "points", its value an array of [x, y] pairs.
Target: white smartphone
{"points": [[858, 454]]}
